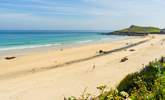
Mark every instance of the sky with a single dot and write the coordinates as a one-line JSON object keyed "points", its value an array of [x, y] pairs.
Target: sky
{"points": [[80, 14]]}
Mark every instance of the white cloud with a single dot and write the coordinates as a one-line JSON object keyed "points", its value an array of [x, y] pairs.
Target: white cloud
{"points": [[88, 13]]}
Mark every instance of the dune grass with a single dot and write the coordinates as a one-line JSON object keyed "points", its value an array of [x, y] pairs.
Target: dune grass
{"points": [[147, 84]]}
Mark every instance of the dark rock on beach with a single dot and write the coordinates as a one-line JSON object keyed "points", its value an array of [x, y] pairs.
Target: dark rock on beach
{"points": [[124, 59], [10, 58]]}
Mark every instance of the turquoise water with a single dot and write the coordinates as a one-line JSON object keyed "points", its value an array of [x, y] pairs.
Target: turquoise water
{"points": [[31, 39]]}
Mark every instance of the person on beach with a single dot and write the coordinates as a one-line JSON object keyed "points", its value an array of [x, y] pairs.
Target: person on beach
{"points": [[93, 67]]}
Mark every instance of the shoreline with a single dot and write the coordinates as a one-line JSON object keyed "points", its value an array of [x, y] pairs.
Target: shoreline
{"points": [[50, 47], [57, 83], [42, 69]]}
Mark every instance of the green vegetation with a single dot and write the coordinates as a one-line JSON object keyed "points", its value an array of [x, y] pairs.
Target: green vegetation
{"points": [[138, 29], [148, 84]]}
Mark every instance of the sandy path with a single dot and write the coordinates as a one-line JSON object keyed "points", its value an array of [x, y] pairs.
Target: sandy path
{"points": [[73, 79]]}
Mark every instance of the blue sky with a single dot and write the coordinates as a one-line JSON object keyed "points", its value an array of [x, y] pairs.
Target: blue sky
{"points": [[80, 14]]}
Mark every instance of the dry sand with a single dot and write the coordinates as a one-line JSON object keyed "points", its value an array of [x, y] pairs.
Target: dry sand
{"points": [[34, 76]]}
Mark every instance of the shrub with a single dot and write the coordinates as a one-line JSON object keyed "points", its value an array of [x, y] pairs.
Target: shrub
{"points": [[148, 84]]}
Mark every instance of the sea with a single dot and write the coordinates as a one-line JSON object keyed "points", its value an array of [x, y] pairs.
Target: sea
{"points": [[25, 39]]}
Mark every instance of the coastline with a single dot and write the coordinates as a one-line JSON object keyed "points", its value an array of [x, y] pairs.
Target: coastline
{"points": [[73, 79], [51, 47]]}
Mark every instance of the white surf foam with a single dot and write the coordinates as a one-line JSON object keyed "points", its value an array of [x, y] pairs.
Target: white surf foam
{"points": [[27, 47]]}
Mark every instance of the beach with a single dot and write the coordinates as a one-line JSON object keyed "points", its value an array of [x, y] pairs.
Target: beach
{"points": [[53, 74]]}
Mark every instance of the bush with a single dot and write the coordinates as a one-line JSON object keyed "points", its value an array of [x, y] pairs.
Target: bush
{"points": [[148, 84]]}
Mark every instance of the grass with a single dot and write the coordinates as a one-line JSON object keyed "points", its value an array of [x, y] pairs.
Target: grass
{"points": [[138, 29], [147, 84]]}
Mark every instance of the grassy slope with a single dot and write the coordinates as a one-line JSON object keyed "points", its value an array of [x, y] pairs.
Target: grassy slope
{"points": [[148, 84], [138, 29]]}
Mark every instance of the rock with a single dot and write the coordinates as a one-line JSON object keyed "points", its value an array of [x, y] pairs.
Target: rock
{"points": [[124, 59], [102, 52], [10, 58], [132, 50]]}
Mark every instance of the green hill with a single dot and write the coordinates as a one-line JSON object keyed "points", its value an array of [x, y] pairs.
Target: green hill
{"points": [[137, 30]]}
